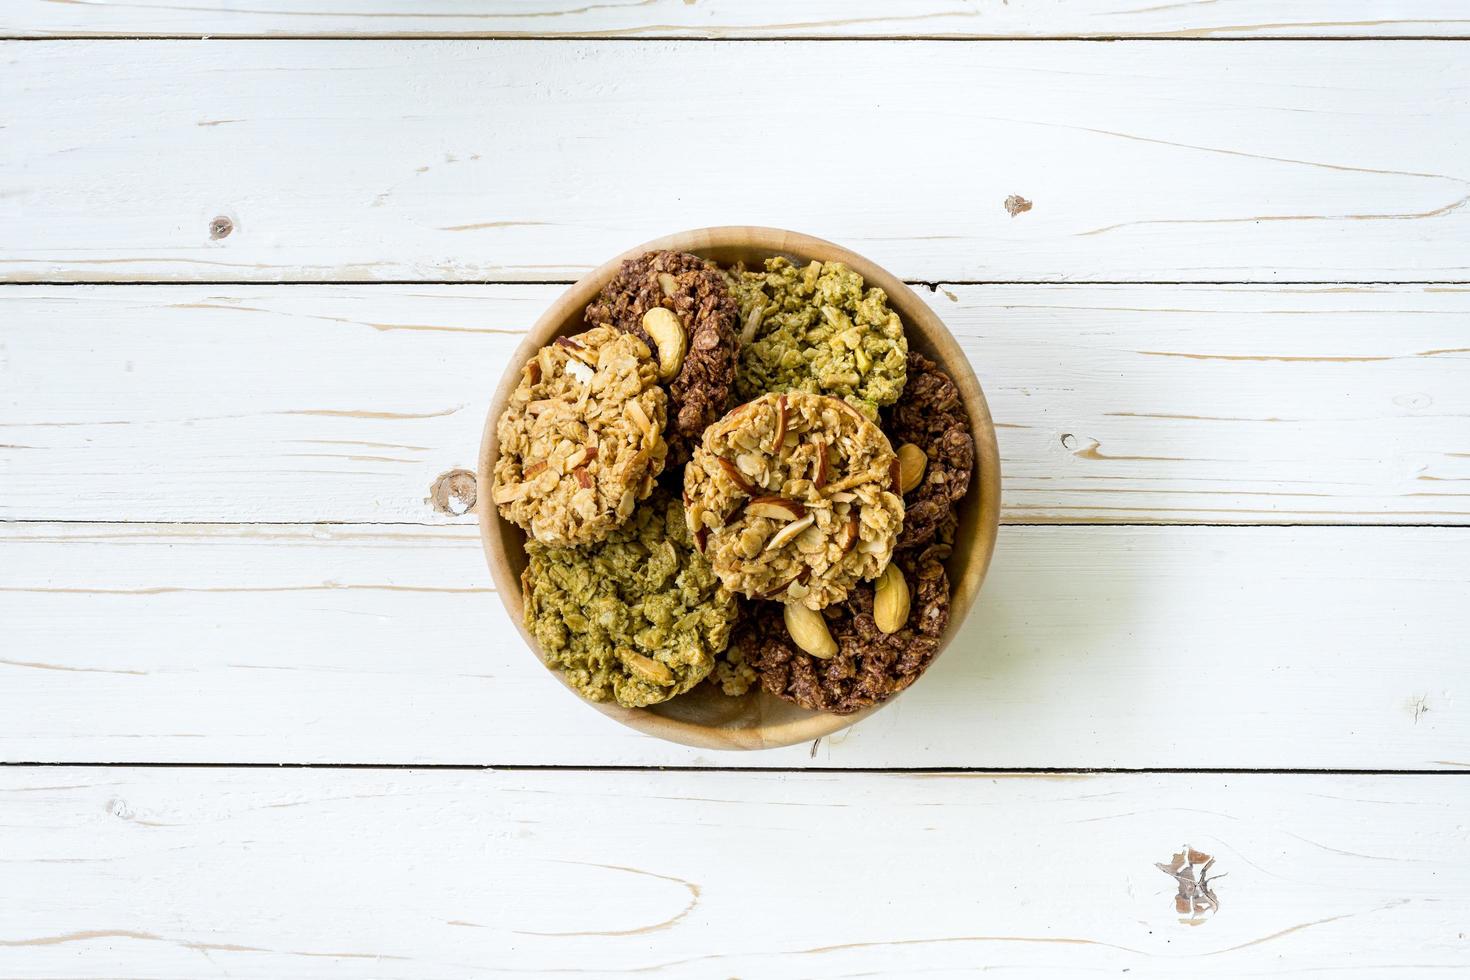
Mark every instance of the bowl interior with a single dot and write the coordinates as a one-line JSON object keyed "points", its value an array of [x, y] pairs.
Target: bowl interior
{"points": [[704, 717]]}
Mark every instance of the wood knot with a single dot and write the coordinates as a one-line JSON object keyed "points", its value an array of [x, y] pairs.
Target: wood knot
{"points": [[220, 227], [453, 493], [1196, 900], [1016, 204]]}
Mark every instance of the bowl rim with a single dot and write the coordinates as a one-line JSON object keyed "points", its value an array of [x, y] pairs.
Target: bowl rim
{"points": [[920, 318]]}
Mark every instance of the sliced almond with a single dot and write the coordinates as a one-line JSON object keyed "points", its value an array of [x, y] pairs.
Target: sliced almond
{"points": [[809, 630], [824, 466], [700, 537], [667, 283], [634, 463], [577, 350], [533, 469], [851, 480], [848, 536], [511, 492], [635, 412], [790, 531], [778, 590], [812, 541], [580, 371], [891, 600], [533, 372], [776, 508], [895, 476], [668, 335], [752, 323], [648, 669], [911, 464], [584, 479], [737, 477], [780, 434], [576, 459]]}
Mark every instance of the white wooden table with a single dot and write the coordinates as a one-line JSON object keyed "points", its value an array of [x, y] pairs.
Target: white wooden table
{"points": [[260, 715]]}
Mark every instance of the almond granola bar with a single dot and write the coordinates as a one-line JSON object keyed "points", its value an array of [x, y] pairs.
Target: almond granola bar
{"points": [[581, 440], [794, 496]]}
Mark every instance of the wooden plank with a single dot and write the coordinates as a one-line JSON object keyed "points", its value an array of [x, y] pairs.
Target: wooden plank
{"points": [[739, 19], [1124, 647], [1116, 403], [348, 874], [524, 160]]}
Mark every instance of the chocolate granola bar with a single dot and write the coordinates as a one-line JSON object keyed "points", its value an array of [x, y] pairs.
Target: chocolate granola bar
{"points": [[932, 417], [868, 665], [698, 364]]}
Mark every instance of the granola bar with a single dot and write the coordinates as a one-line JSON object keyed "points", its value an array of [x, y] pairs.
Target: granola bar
{"points": [[637, 618], [698, 293], [581, 440], [931, 416], [869, 666], [794, 496], [815, 328]]}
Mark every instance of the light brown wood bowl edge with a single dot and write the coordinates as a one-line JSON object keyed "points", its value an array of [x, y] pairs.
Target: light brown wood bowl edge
{"points": [[704, 717]]}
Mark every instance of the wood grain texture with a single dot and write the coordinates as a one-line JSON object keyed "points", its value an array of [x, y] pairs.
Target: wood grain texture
{"points": [[525, 160], [1122, 647], [738, 18], [342, 874], [1113, 403]]}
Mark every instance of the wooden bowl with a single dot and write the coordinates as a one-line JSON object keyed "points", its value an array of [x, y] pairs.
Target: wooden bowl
{"points": [[704, 717]]}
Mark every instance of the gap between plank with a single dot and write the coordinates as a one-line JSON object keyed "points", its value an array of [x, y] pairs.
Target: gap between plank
{"points": [[693, 38], [1378, 525], [930, 284], [917, 770]]}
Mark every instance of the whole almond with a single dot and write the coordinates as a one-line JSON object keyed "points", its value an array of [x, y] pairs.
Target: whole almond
{"points": [[911, 464], [891, 600], [667, 333], [809, 630]]}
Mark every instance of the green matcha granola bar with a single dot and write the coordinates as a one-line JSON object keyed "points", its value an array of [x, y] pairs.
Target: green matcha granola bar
{"points": [[637, 618], [817, 329]]}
